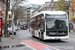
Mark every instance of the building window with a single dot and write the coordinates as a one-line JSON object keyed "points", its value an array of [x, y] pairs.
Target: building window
{"points": [[52, 5], [51, 9], [48, 4]]}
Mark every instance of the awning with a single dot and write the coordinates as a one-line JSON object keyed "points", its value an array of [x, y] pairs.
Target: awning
{"points": [[72, 18]]}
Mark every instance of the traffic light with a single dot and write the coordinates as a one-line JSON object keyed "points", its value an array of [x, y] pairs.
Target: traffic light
{"points": [[1, 13]]}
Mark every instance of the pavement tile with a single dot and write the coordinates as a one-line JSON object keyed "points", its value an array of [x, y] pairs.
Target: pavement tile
{"points": [[9, 40]]}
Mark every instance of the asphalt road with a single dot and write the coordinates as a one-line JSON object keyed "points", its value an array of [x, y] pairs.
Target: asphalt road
{"points": [[62, 45]]}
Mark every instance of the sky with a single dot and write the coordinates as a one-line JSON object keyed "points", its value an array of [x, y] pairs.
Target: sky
{"points": [[39, 2]]}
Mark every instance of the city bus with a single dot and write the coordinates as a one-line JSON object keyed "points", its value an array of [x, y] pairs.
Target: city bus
{"points": [[50, 25], [24, 26]]}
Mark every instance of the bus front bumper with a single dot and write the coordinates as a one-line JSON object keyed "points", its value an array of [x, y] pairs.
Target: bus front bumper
{"points": [[56, 38]]}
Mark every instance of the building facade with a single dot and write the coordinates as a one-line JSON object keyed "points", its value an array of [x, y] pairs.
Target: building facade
{"points": [[73, 7], [48, 6], [21, 15], [28, 11], [73, 10]]}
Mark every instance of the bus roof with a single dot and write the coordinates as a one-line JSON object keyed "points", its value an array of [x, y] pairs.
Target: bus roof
{"points": [[50, 12]]}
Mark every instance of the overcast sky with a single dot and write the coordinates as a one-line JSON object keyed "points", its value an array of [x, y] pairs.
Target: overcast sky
{"points": [[39, 2]]}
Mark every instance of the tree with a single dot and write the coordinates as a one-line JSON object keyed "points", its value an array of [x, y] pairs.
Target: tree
{"points": [[5, 32], [13, 3], [60, 5], [63, 5], [18, 11]]}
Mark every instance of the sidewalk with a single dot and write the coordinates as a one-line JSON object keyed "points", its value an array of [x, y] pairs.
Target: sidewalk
{"points": [[73, 32], [72, 36], [9, 40], [8, 43]]}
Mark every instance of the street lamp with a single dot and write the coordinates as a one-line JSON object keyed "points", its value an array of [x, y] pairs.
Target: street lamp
{"points": [[13, 22], [9, 13]]}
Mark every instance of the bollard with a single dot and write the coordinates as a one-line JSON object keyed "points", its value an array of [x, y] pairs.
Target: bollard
{"points": [[0, 38]]}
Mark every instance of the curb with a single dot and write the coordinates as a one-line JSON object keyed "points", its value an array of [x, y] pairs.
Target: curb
{"points": [[12, 46]]}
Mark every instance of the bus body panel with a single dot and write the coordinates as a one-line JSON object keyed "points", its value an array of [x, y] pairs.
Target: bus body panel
{"points": [[36, 33]]}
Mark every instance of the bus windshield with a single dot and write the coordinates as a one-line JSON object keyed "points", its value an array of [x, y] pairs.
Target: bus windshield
{"points": [[25, 26], [56, 23]]}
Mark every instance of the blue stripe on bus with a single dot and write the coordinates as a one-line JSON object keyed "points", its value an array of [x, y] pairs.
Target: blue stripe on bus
{"points": [[54, 38], [50, 38]]}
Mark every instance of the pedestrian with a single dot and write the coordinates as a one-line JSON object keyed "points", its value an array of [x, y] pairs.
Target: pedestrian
{"points": [[71, 27], [19, 24]]}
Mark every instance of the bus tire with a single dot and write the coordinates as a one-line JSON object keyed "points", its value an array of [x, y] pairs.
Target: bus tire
{"points": [[41, 36]]}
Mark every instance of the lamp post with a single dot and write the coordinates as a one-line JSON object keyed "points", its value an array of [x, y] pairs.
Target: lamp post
{"points": [[9, 13]]}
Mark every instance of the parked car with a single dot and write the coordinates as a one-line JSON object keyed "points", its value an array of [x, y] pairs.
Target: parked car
{"points": [[12, 31]]}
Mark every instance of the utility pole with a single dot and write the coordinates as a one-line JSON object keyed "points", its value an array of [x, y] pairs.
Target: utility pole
{"points": [[9, 15], [5, 32], [13, 23]]}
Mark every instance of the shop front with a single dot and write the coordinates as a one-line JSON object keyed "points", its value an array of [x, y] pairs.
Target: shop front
{"points": [[73, 22]]}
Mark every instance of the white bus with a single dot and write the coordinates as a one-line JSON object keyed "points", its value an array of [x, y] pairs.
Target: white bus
{"points": [[50, 25]]}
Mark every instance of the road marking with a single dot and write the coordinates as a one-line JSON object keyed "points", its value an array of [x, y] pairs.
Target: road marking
{"points": [[38, 46], [28, 46], [46, 45]]}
